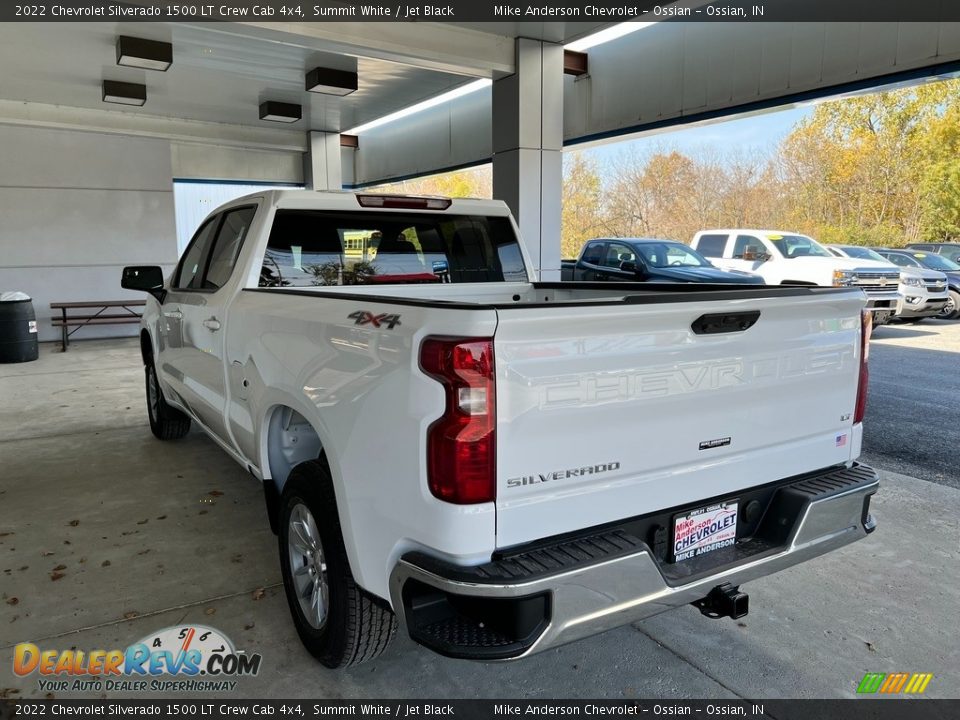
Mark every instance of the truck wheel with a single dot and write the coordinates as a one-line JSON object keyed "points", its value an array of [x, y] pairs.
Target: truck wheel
{"points": [[339, 623], [166, 423], [951, 311]]}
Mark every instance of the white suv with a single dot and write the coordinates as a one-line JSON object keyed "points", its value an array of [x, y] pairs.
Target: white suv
{"points": [[789, 258]]}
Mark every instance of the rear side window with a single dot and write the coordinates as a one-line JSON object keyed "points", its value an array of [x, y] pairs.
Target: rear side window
{"points": [[616, 254], [233, 230], [319, 248], [190, 272], [711, 245]]}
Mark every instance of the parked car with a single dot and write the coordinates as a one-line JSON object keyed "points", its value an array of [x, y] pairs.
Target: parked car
{"points": [[866, 255], [931, 261], [949, 250], [647, 259], [787, 258], [504, 465]]}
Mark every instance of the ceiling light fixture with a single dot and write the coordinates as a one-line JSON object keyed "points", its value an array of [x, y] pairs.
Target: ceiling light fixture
{"points": [[124, 93], [331, 82], [606, 35], [432, 102], [142, 53], [280, 112]]}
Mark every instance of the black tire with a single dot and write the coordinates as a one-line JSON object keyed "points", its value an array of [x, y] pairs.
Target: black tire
{"points": [[356, 626], [951, 311], [166, 422]]}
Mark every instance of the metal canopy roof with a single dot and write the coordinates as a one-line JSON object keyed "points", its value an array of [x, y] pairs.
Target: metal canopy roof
{"points": [[221, 72]]}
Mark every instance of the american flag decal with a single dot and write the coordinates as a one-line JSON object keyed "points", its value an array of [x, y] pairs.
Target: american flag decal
{"points": [[841, 440]]}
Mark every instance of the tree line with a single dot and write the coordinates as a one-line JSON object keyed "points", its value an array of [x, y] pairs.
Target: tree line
{"points": [[877, 169]]}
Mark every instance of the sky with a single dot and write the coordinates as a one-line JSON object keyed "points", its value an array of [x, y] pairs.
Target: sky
{"points": [[758, 133]]}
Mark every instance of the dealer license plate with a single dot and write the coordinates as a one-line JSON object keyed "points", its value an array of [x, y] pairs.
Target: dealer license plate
{"points": [[704, 530]]}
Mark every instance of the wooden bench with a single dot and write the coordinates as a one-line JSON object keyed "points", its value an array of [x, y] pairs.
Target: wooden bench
{"points": [[102, 316]]}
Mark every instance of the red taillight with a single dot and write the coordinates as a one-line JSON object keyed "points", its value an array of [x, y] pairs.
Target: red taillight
{"points": [[461, 445], [866, 329]]}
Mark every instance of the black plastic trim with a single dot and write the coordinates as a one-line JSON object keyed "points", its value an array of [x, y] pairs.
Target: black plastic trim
{"points": [[653, 293], [784, 502]]}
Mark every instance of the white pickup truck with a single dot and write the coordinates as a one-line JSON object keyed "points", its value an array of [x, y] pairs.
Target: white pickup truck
{"points": [[787, 258], [502, 464]]}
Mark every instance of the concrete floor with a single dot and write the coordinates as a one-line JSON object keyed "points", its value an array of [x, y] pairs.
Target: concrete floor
{"points": [[153, 534]]}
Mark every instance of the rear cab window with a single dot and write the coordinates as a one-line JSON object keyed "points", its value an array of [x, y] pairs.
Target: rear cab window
{"points": [[316, 248]]}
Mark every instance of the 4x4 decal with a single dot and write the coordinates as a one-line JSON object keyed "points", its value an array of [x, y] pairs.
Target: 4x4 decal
{"points": [[364, 317]]}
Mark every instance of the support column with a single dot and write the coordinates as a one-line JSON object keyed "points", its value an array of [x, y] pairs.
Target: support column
{"points": [[528, 149], [321, 163]]}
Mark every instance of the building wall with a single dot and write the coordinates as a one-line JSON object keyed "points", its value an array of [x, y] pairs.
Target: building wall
{"points": [[76, 207]]}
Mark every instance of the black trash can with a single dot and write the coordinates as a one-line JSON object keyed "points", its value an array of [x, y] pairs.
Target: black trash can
{"points": [[18, 329]]}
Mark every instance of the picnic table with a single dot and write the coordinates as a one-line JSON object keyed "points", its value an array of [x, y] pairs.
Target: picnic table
{"points": [[96, 312]]}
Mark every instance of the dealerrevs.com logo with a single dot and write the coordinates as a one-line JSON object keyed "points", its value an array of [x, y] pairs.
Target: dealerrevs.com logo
{"points": [[179, 658]]}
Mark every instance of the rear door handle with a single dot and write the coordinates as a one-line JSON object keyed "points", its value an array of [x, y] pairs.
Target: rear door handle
{"points": [[212, 324]]}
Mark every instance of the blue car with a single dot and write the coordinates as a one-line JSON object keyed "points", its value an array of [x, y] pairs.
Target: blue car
{"points": [[647, 260]]}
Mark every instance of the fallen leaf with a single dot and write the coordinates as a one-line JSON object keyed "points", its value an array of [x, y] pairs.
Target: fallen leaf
{"points": [[143, 522], [130, 615], [259, 593], [60, 567], [202, 512], [214, 493], [5, 534], [49, 696], [870, 646], [249, 626], [6, 693], [13, 601], [46, 553], [105, 563], [144, 552], [162, 517], [25, 567], [210, 611], [67, 542], [74, 523], [82, 560], [56, 576]]}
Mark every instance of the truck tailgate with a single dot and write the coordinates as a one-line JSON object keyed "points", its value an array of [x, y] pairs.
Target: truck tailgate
{"points": [[613, 411]]}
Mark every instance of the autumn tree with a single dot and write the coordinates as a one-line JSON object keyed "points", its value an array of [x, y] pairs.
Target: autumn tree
{"points": [[582, 216]]}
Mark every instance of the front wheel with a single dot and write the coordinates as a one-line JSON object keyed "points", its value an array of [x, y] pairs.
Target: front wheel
{"points": [[166, 422], [951, 311], [338, 622]]}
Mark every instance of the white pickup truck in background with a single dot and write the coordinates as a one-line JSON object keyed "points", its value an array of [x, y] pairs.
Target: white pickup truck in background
{"points": [[786, 258], [504, 465]]}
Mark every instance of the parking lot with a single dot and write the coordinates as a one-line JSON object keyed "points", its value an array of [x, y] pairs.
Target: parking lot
{"points": [[108, 536]]}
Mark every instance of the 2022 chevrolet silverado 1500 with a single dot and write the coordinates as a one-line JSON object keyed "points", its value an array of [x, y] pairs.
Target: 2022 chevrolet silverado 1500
{"points": [[502, 464]]}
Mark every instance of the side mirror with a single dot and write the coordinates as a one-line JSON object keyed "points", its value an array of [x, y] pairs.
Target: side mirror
{"points": [[146, 278], [630, 266]]}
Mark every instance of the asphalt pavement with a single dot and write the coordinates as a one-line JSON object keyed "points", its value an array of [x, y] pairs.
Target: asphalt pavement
{"points": [[912, 424]]}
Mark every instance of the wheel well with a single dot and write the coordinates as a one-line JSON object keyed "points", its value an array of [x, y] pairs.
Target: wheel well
{"points": [[146, 348], [798, 282], [291, 439]]}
